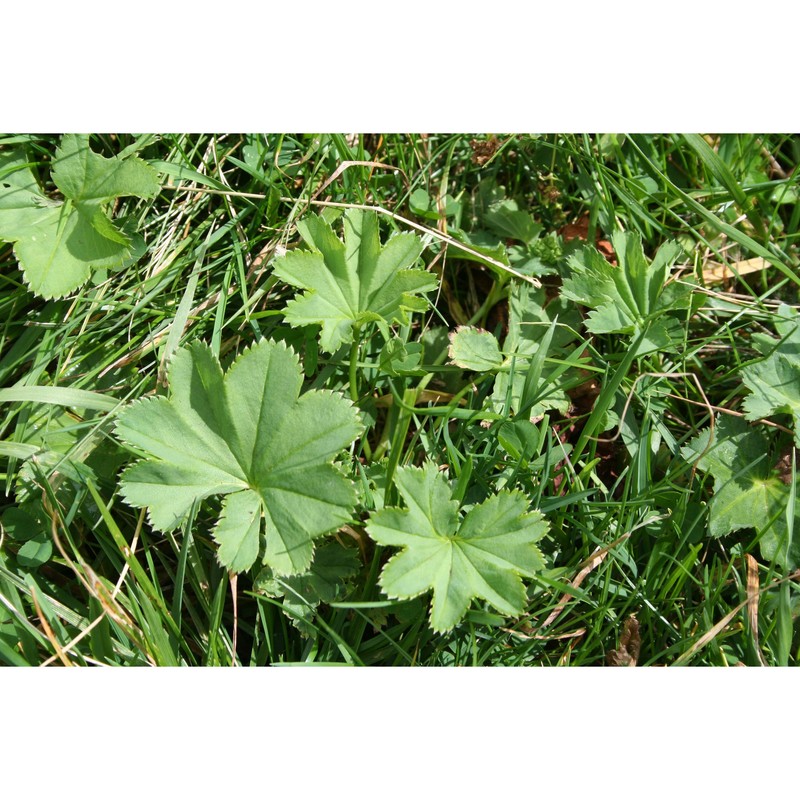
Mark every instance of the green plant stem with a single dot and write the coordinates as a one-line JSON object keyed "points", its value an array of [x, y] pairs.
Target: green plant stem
{"points": [[354, 396], [494, 296], [606, 397], [400, 432], [354, 371]]}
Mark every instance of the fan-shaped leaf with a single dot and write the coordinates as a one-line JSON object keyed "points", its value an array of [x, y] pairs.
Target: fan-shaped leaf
{"points": [[246, 434], [349, 283], [482, 555]]}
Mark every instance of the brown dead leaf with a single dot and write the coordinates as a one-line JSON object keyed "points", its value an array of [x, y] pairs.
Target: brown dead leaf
{"points": [[630, 643], [753, 592], [719, 273], [784, 465], [483, 149]]}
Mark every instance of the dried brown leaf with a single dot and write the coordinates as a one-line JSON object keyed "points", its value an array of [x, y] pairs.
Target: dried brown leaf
{"points": [[630, 643]]}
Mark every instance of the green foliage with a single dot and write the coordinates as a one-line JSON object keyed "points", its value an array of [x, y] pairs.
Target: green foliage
{"points": [[353, 282], [775, 381], [323, 582], [28, 526], [630, 297], [248, 435], [401, 358], [253, 468], [748, 492], [474, 349], [482, 555], [523, 244], [536, 330], [58, 243]]}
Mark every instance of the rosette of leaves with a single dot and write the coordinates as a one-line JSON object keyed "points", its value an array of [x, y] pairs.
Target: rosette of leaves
{"points": [[250, 436], [536, 330], [59, 242], [483, 554], [632, 297], [352, 282]]}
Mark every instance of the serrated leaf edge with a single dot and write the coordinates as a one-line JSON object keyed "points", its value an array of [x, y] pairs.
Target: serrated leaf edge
{"points": [[519, 574]]}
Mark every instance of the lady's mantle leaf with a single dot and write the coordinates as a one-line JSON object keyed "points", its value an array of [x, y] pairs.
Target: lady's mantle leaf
{"points": [[355, 281], [624, 297], [482, 555], [58, 243], [748, 493], [322, 583], [474, 349], [531, 324], [775, 381], [248, 435]]}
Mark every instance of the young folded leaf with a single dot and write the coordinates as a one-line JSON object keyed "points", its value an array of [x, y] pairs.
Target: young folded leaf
{"points": [[355, 281], [625, 298], [249, 435], [482, 555]]}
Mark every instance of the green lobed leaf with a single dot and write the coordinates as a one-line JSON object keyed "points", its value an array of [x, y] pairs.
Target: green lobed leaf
{"points": [[774, 382], [352, 282], [249, 435], [748, 493], [57, 243], [322, 583], [482, 555], [505, 219], [87, 177], [623, 297]]}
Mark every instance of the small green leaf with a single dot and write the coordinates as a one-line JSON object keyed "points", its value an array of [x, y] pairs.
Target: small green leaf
{"points": [[530, 319], [508, 221], [246, 434], [475, 349], [322, 583], [482, 555], [399, 358], [423, 205], [352, 282], [35, 552], [29, 525]]}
